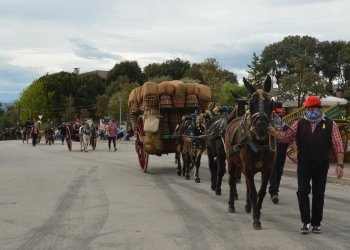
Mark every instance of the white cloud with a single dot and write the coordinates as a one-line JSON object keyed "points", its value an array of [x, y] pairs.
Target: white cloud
{"points": [[46, 36]]}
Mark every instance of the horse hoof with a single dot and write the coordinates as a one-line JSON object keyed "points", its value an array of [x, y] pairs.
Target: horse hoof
{"points": [[187, 177], [257, 225], [248, 208], [213, 187], [197, 180], [179, 173], [218, 191], [231, 210], [235, 197]]}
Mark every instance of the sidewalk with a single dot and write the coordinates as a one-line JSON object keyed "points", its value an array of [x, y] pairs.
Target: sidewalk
{"points": [[290, 169]]}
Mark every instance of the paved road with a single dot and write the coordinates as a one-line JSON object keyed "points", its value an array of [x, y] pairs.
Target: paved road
{"points": [[51, 198]]}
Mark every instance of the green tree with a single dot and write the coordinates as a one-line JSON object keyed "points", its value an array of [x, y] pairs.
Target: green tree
{"points": [[212, 76], [152, 70], [130, 69], [255, 75], [176, 69], [119, 101], [115, 86], [102, 102], [85, 113], [171, 69], [328, 61], [88, 88], [302, 81], [231, 91], [194, 72], [277, 58]]}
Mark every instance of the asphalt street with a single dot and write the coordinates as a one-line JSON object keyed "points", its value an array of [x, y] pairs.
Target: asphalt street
{"points": [[51, 198]]}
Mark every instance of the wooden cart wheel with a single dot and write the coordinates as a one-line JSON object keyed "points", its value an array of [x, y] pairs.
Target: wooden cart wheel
{"points": [[68, 139], [141, 153]]}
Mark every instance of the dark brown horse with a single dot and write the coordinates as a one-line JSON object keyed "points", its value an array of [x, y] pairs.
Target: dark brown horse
{"points": [[190, 144], [215, 132], [249, 146]]}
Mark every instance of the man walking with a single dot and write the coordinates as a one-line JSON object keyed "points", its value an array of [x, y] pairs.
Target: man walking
{"points": [[315, 134], [277, 171], [112, 133], [34, 132]]}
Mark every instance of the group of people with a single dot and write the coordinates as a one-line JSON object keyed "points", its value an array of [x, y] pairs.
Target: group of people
{"points": [[111, 130], [123, 132], [315, 135]]}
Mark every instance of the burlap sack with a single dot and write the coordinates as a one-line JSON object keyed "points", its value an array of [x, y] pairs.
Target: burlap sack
{"points": [[152, 144], [166, 88], [180, 87], [190, 88], [151, 124], [149, 88], [138, 96], [203, 91]]}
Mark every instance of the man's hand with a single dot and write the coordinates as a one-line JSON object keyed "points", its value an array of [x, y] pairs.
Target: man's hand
{"points": [[271, 131], [339, 172]]}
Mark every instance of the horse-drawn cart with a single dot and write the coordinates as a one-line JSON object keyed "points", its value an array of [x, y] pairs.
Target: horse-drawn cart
{"points": [[156, 110]]}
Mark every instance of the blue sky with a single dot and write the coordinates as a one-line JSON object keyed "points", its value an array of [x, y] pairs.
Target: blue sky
{"points": [[40, 36]]}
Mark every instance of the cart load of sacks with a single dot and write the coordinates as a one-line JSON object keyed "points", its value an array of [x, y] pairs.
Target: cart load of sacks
{"points": [[162, 106]]}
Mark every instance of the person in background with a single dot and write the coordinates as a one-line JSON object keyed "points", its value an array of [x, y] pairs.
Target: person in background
{"points": [[277, 171], [111, 133], [28, 124], [102, 130], [129, 133], [120, 132], [62, 129], [315, 135], [34, 133]]}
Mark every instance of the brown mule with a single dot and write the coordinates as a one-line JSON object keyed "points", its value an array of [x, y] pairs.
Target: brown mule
{"points": [[249, 146]]}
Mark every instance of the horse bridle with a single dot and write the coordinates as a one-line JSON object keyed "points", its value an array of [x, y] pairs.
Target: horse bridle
{"points": [[252, 118]]}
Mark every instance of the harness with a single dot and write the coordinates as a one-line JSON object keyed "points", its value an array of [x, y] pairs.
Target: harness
{"points": [[191, 132], [247, 129], [87, 129]]}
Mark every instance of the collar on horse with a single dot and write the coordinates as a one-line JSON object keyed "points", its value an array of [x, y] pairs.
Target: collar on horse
{"points": [[247, 129], [194, 132]]}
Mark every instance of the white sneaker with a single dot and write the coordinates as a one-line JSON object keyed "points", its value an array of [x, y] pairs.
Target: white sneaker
{"points": [[305, 229]]}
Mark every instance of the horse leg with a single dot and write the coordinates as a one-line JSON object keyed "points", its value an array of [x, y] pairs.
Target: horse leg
{"points": [[248, 204], [81, 142], [198, 163], [188, 165], [178, 159], [232, 184], [213, 170], [220, 162], [265, 176], [253, 200], [86, 143], [184, 160]]}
